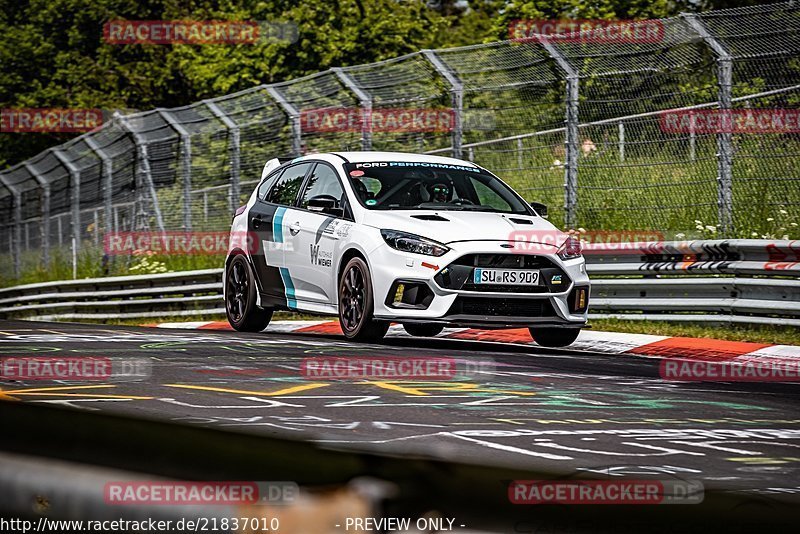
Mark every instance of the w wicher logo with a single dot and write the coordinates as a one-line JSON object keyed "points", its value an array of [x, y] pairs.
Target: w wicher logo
{"points": [[314, 254]]}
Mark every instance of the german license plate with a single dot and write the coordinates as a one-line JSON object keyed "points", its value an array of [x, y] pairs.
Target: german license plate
{"points": [[510, 277]]}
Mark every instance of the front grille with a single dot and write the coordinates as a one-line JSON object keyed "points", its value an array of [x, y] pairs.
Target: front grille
{"points": [[486, 307], [504, 261], [458, 275], [487, 288]]}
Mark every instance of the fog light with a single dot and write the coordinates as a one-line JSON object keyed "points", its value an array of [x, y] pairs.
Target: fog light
{"points": [[409, 294], [581, 303], [579, 299], [398, 294]]}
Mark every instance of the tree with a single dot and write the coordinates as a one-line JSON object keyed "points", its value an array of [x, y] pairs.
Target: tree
{"points": [[54, 55]]}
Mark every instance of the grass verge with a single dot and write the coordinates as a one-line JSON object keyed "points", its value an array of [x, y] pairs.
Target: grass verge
{"points": [[782, 335]]}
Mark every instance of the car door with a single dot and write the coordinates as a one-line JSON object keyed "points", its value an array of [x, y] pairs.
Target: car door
{"points": [[315, 232], [266, 223]]}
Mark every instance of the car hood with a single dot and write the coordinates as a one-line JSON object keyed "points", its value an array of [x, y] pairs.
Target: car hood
{"points": [[453, 226]]}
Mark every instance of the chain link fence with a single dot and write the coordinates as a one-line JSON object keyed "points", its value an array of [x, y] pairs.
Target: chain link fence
{"points": [[574, 123]]}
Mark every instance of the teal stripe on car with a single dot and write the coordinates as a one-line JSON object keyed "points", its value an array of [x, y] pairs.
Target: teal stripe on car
{"points": [[286, 277]]}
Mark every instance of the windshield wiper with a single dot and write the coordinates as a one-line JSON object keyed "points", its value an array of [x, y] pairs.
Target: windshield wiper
{"points": [[436, 206], [472, 207]]}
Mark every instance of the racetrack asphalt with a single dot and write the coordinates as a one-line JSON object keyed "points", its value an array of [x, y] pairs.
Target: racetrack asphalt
{"points": [[554, 410]]}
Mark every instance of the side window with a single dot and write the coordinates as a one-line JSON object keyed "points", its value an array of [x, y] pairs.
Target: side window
{"points": [[323, 181], [286, 187], [267, 184]]}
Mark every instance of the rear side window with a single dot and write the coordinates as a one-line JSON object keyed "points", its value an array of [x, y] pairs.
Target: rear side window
{"points": [[285, 190], [267, 184]]}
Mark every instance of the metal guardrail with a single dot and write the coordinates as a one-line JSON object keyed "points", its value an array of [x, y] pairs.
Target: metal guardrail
{"points": [[734, 281], [185, 293], [753, 281]]}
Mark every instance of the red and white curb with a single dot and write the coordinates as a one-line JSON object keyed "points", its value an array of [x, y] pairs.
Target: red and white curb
{"points": [[643, 345]]}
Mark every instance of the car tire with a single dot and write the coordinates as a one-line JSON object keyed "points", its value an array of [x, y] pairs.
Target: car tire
{"points": [[554, 337], [423, 330], [244, 315], [356, 303]]}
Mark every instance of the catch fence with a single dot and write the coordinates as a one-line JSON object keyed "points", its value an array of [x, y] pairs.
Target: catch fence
{"points": [[572, 122]]}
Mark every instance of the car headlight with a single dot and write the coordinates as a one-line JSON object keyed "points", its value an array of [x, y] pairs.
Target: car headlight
{"points": [[406, 242], [570, 249]]}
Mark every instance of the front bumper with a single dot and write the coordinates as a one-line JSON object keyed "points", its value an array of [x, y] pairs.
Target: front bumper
{"points": [[444, 294]]}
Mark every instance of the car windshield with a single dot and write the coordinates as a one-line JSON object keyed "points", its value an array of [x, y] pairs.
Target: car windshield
{"points": [[404, 185]]}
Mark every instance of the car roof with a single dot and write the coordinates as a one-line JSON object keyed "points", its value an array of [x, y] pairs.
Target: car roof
{"points": [[371, 156]]}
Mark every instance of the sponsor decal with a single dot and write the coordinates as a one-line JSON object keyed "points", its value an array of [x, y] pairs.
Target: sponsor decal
{"points": [[344, 230], [424, 164], [322, 258], [338, 228], [556, 279]]}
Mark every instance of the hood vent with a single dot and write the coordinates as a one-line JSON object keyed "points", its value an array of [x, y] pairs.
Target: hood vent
{"points": [[425, 217], [520, 221]]}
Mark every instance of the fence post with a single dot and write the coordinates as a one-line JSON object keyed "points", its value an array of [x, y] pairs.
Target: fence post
{"points": [[186, 165], [572, 142], [457, 96], [17, 237], [724, 139], [621, 142], [45, 225], [234, 147], [108, 189], [75, 178], [144, 171], [366, 104], [294, 118]]}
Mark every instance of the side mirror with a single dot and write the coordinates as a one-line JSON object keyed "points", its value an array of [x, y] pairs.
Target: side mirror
{"points": [[540, 208], [325, 204]]}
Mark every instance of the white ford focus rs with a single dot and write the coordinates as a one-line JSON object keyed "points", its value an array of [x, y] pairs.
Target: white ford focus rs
{"points": [[380, 237]]}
